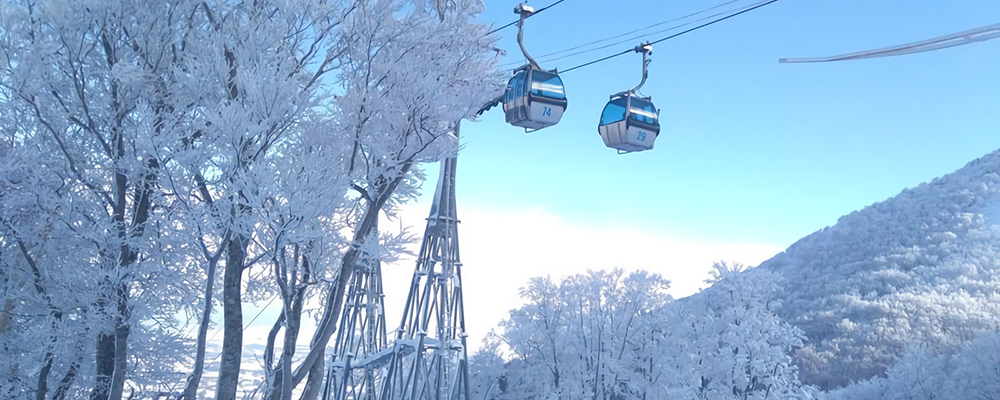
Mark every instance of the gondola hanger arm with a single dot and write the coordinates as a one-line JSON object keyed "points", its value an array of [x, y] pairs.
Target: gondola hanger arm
{"points": [[647, 50], [524, 11]]}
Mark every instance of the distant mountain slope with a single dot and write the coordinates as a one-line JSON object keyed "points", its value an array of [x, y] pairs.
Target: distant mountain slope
{"points": [[921, 267]]}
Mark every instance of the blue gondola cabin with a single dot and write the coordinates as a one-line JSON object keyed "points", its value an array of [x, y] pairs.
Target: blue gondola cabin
{"points": [[534, 99], [629, 123]]}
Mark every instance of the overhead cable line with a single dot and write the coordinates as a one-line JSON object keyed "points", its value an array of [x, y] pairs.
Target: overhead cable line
{"points": [[637, 37], [746, 10], [642, 29], [518, 20], [941, 42]]}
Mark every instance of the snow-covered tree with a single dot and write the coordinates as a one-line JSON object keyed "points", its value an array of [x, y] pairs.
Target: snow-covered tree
{"points": [[601, 335], [975, 370], [486, 370], [918, 268], [146, 145], [593, 335], [92, 115], [730, 343], [924, 373]]}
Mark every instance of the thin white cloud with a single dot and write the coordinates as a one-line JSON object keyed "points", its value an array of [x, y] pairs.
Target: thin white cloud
{"points": [[502, 250]]}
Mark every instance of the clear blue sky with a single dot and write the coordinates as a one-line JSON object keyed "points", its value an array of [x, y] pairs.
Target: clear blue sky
{"points": [[750, 150]]}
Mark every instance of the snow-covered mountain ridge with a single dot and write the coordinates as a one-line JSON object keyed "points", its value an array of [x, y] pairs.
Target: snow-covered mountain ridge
{"points": [[921, 267]]}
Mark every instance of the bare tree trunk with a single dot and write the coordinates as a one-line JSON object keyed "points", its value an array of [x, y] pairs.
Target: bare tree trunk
{"points": [[288, 348], [232, 299], [315, 381], [191, 387], [121, 345], [232, 340], [8, 306], [117, 342], [194, 380], [112, 353], [106, 340], [293, 296], [66, 382], [105, 366], [286, 363], [331, 311], [43, 378], [269, 373]]}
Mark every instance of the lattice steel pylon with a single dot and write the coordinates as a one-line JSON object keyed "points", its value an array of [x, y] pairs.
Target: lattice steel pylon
{"points": [[360, 351], [429, 354]]}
